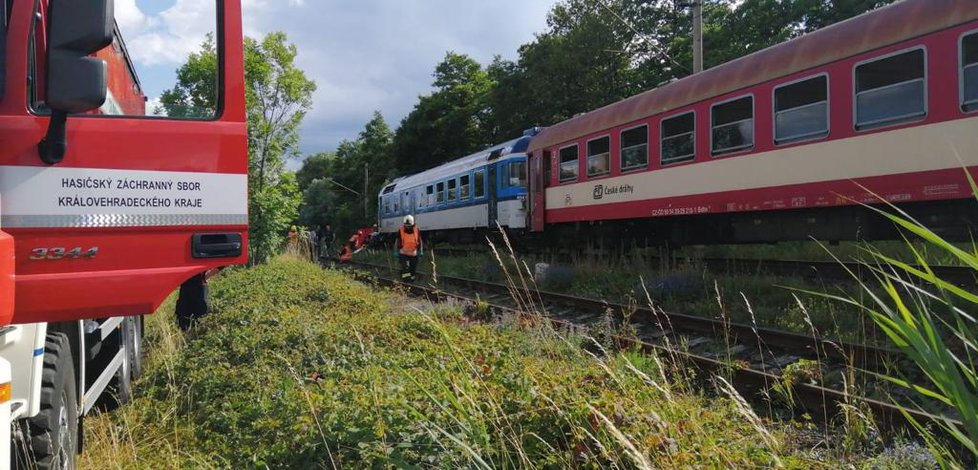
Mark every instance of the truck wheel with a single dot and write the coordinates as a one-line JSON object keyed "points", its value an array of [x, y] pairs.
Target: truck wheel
{"points": [[54, 431]]}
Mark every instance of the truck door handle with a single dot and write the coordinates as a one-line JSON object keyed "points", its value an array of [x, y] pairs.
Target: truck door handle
{"points": [[216, 245]]}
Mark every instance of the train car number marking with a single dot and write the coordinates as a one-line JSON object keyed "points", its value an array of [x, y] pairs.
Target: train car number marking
{"points": [[62, 253]]}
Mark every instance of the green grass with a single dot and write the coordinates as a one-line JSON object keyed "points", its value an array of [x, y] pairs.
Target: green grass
{"points": [[928, 319], [300, 367], [690, 289]]}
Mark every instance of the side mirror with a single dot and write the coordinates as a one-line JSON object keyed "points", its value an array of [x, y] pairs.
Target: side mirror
{"points": [[75, 82]]}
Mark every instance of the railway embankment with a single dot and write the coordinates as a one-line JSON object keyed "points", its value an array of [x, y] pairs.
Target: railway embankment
{"points": [[298, 367]]}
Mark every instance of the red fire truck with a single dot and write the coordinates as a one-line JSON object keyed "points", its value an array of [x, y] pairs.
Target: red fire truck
{"points": [[103, 212]]}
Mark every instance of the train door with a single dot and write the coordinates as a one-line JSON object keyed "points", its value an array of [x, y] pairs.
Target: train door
{"points": [[493, 193], [537, 185]]}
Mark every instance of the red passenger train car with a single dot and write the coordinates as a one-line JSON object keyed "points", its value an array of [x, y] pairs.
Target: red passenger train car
{"points": [[782, 144]]}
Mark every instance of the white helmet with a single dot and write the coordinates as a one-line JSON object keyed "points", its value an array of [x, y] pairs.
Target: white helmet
{"points": [[409, 219]]}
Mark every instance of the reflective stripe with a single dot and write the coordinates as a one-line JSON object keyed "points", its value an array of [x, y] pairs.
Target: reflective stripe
{"points": [[53, 197], [38, 352]]}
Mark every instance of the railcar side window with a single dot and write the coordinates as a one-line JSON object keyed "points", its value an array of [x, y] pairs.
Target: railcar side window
{"points": [[441, 192], [598, 156], [801, 110], [969, 72], [568, 163], [429, 195], [451, 190], [406, 201], [733, 126], [890, 90], [480, 183], [678, 138], [635, 148], [463, 187]]}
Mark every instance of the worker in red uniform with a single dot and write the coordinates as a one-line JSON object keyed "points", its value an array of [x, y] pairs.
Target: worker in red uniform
{"points": [[409, 248]]}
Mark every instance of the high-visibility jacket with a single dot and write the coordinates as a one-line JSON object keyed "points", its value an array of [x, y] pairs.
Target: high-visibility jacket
{"points": [[410, 242]]}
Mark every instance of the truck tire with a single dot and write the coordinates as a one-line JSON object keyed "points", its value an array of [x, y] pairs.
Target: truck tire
{"points": [[54, 431]]}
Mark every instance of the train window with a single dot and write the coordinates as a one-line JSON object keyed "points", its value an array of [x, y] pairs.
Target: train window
{"points": [[463, 187], [733, 126], [568, 163], [969, 72], [387, 205], [635, 148], [441, 192], [480, 183], [890, 90], [452, 183], [517, 174], [801, 110], [406, 202], [679, 138], [599, 156], [429, 195]]}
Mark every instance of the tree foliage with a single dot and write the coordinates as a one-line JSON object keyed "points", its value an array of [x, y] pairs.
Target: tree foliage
{"points": [[278, 95], [328, 180], [449, 122]]}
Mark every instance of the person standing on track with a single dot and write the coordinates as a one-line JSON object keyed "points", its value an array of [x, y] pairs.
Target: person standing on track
{"points": [[409, 248]]}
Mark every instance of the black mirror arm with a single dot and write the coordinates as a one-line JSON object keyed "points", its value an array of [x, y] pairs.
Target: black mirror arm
{"points": [[53, 146]]}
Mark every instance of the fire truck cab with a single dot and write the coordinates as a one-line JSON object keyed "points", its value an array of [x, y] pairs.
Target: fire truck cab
{"points": [[104, 211]]}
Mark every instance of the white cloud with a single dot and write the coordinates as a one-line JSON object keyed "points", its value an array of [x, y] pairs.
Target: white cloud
{"points": [[364, 55], [169, 36]]}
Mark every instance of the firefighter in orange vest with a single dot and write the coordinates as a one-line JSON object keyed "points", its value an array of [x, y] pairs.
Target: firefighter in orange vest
{"points": [[409, 248]]}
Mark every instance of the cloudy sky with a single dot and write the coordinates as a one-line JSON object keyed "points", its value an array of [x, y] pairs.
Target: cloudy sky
{"points": [[364, 55]]}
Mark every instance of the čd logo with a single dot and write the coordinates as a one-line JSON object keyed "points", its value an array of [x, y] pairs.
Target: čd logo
{"points": [[599, 191]]}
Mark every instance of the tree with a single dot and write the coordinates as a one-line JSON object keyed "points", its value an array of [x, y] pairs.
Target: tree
{"points": [[278, 94], [325, 178], [195, 93], [449, 123]]}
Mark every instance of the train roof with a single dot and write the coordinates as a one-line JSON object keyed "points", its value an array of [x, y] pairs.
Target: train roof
{"points": [[888, 25], [513, 147]]}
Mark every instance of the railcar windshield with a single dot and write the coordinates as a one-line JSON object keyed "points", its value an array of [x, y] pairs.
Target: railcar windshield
{"points": [[517, 174]]}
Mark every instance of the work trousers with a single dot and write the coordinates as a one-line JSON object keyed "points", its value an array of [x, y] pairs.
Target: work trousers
{"points": [[409, 265]]}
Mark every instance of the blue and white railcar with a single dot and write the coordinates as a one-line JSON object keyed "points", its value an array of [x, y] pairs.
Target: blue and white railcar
{"points": [[463, 196]]}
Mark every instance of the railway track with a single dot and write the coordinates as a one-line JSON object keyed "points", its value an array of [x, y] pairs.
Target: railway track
{"points": [[962, 276], [755, 358]]}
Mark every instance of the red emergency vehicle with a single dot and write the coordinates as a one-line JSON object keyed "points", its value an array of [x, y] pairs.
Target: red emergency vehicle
{"points": [[103, 211]]}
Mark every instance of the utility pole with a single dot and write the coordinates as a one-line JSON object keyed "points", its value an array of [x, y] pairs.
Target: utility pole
{"points": [[697, 36], [365, 193]]}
